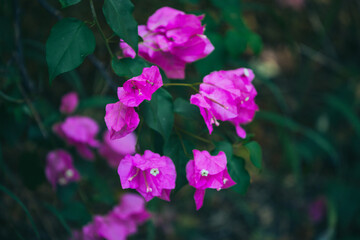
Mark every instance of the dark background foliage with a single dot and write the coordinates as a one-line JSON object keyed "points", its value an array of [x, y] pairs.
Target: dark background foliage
{"points": [[306, 63]]}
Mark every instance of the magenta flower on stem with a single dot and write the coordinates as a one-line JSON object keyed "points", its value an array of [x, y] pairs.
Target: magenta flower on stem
{"points": [[119, 223], [79, 131], [69, 103], [150, 174], [127, 51], [140, 88], [227, 96], [120, 120], [60, 169], [207, 171], [171, 39], [114, 150]]}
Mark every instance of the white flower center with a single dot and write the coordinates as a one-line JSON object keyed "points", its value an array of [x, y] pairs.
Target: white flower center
{"points": [[69, 173], [204, 173], [246, 72], [247, 99], [62, 181], [225, 180], [154, 171]]}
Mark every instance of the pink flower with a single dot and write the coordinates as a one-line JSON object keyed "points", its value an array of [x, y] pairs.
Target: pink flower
{"points": [[60, 169], [80, 132], [207, 171], [114, 150], [227, 96], [120, 120], [69, 103], [151, 175], [140, 88], [172, 39], [127, 51], [317, 209], [118, 223]]}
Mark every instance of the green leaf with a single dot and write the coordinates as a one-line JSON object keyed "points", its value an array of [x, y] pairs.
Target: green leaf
{"points": [[158, 113], [185, 108], [96, 102], [76, 211], [236, 167], [180, 151], [118, 14], [67, 3], [239, 174], [70, 41], [236, 42], [255, 153], [255, 43], [13, 196], [128, 67]]}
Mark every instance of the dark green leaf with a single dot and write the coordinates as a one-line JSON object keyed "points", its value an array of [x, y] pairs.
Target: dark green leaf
{"points": [[76, 211], [128, 67], [180, 151], [70, 41], [158, 113], [225, 147], [255, 43], [96, 102], [239, 174], [255, 153], [13, 196], [185, 108], [118, 14], [236, 42], [67, 3]]}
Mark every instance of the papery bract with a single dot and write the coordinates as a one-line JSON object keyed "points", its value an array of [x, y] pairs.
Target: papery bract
{"points": [[120, 120], [140, 88], [171, 39], [119, 223], [114, 150], [227, 96], [79, 131], [127, 51], [69, 102], [207, 171], [150, 174], [59, 168]]}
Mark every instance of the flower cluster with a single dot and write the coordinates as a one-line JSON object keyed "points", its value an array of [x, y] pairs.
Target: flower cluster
{"points": [[227, 96], [119, 223], [150, 174], [60, 169], [121, 117], [207, 171], [171, 39]]}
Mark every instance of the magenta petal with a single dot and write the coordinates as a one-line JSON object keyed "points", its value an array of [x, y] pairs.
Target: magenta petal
{"points": [[127, 51], [240, 131], [199, 198], [161, 18], [69, 102]]}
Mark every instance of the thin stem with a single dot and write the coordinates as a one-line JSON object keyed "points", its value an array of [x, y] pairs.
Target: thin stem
{"points": [[10, 99], [195, 136], [181, 142], [180, 84], [100, 30]]}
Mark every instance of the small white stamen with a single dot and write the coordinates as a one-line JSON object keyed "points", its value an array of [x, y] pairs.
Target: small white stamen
{"points": [[225, 180], [148, 189], [204, 173], [132, 177], [150, 82], [218, 189], [140, 93], [246, 72], [247, 99], [62, 181], [154, 171], [216, 122], [69, 173], [242, 102]]}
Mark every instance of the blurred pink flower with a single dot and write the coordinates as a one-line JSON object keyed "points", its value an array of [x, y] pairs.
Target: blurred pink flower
{"points": [[127, 51], [60, 169], [69, 102], [119, 223], [171, 39], [79, 131], [207, 171], [114, 150], [317, 209], [120, 120], [227, 96], [151, 175], [140, 88]]}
